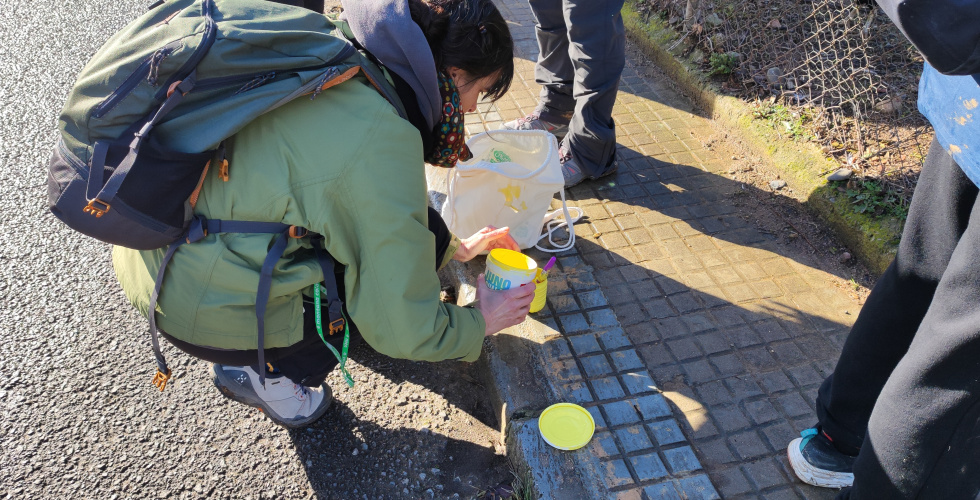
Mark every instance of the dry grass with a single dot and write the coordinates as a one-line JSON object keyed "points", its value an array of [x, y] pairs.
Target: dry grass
{"points": [[832, 72]]}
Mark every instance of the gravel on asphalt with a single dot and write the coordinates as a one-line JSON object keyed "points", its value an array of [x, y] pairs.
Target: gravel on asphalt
{"points": [[79, 416]]}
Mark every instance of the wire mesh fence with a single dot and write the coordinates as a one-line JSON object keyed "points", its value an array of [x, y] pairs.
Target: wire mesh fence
{"points": [[835, 72]]}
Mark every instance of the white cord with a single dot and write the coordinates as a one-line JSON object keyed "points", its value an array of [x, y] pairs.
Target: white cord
{"points": [[552, 223]]}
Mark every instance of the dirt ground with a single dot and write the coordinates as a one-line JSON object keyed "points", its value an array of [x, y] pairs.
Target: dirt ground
{"points": [[406, 430]]}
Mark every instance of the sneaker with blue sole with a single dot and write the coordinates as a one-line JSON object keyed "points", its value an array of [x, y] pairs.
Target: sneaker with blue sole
{"points": [[285, 402], [816, 461]]}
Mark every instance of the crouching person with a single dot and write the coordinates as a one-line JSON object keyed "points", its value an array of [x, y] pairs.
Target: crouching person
{"points": [[348, 167]]}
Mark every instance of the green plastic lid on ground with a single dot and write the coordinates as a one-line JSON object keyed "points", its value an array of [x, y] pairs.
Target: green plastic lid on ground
{"points": [[566, 426]]}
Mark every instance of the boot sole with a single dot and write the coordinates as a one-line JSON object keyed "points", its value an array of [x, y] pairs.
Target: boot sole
{"points": [[813, 475], [222, 387], [586, 178]]}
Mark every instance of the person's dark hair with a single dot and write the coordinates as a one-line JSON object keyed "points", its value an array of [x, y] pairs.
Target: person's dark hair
{"points": [[470, 35]]}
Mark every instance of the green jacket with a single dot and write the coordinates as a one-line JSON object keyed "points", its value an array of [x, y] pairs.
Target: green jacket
{"points": [[344, 165]]}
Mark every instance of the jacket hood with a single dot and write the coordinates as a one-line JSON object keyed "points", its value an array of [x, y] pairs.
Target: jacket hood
{"points": [[386, 30]]}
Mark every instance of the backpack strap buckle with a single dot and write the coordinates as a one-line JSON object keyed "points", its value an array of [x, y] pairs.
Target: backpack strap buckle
{"points": [[223, 170], [160, 379], [173, 88], [198, 229], [96, 207], [337, 325], [298, 232]]}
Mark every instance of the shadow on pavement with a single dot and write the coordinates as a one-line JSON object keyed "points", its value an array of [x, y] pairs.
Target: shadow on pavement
{"points": [[339, 459], [740, 373], [695, 213]]}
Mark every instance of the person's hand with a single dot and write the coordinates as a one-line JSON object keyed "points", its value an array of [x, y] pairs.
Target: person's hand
{"points": [[487, 238], [503, 309]]}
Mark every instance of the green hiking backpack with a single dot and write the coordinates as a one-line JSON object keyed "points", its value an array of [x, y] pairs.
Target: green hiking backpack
{"points": [[150, 110], [148, 115]]}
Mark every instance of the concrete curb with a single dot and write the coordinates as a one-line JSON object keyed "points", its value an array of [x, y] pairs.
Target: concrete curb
{"points": [[511, 368], [872, 240]]}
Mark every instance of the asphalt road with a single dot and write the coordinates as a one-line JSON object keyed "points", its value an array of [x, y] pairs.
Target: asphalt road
{"points": [[79, 416]]}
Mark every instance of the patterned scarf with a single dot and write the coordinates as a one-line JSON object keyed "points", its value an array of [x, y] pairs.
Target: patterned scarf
{"points": [[449, 135]]}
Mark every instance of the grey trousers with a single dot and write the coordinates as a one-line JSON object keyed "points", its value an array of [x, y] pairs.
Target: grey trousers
{"points": [[906, 390], [582, 53]]}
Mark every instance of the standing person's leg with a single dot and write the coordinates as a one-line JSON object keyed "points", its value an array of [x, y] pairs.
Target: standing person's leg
{"points": [[888, 322], [938, 216], [553, 71], [598, 54], [923, 438]]}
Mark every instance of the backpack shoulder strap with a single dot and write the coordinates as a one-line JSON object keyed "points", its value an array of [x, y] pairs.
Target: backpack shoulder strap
{"points": [[372, 69]]}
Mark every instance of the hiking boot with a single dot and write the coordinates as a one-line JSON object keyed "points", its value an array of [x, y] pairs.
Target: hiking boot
{"points": [[572, 171], [533, 121], [285, 402], [816, 461]]}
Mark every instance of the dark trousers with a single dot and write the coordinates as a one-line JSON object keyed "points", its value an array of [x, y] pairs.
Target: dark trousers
{"points": [[582, 54], [314, 5], [309, 361], [906, 390]]}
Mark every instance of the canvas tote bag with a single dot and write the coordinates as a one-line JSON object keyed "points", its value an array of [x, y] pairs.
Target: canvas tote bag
{"points": [[510, 182]]}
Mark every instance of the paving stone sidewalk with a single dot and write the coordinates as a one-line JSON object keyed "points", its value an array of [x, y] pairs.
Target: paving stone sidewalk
{"points": [[696, 340]]}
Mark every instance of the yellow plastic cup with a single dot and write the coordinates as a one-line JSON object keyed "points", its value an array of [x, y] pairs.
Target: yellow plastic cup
{"points": [[508, 269], [540, 291]]}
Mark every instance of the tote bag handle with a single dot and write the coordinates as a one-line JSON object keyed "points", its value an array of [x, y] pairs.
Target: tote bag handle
{"points": [[552, 224]]}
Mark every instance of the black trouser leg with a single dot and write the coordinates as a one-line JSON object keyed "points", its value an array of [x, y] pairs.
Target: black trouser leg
{"points": [[891, 316], [443, 236], [923, 439], [314, 5], [905, 390], [309, 361]]}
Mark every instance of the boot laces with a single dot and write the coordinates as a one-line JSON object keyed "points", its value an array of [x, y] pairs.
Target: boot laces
{"points": [[564, 154], [301, 392], [528, 119]]}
